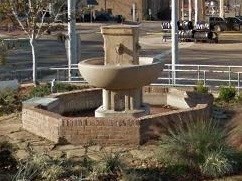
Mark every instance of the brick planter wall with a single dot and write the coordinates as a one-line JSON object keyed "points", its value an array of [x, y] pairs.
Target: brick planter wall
{"points": [[100, 130], [152, 127], [80, 130], [105, 131], [42, 123]]}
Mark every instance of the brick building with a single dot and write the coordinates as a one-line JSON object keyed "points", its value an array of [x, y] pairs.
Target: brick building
{"points": [[124, 8]]}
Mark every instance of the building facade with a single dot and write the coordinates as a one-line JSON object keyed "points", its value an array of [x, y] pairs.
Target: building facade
{"points": [[144, 9]]}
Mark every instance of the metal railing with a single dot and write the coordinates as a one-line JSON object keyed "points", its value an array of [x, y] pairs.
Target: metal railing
{"points": [[212, 76], [187, 75]]}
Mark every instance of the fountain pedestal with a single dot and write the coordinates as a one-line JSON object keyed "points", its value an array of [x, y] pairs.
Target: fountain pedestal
{"points": [[120, 74], [122, 103]]}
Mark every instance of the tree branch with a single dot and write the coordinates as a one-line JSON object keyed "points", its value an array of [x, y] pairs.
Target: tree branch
{"points": [[17, 18]]}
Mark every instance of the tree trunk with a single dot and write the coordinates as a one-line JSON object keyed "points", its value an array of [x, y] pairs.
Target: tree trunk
{"points": [[32, 44]]}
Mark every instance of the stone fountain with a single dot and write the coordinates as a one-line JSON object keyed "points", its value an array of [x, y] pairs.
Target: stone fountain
{"points": [[121, 117], [120, 74]]}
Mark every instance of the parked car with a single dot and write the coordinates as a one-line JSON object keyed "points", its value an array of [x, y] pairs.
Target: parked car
{"points": [[234, 23], [104, 17], [85, 18], [240, 17], [119, 18], [217, 24]]}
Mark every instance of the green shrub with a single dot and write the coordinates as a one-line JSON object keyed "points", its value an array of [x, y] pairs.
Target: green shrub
{"points": [[39, 167], [40, 91], [227, 93], [61, 87], [141, 174], [217, 163], [201, 88], [44, 90], [199, 146], [10, 102], [53, 172], [26, 171], [111, 162], [87, 165], [177, 170], [108, 167], [7, 160]]}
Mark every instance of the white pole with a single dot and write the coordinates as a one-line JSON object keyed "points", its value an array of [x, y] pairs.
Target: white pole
{"points": [[196, 12], [90, 15], [190, 9], [50, 8], [221, 8], [133, 11], [72, 58], [174, 38]]}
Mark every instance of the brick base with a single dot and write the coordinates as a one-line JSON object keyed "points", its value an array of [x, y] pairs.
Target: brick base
{"points": [[105, 131]]}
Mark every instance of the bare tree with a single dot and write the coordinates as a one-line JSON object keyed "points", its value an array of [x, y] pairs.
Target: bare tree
{"points": [[30, 15]]}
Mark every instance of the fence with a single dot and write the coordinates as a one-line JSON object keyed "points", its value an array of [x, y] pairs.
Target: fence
{"points": [[187, 75], [210, 75]]}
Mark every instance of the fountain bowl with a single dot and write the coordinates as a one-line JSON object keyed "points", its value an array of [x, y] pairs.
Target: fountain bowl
{"points": [[119, 77]]}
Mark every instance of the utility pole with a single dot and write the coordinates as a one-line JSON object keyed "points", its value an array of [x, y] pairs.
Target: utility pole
{"points": [[133, 12], [72, 52], [174, 38], [196, 12], [190, 9], [221, 8]]}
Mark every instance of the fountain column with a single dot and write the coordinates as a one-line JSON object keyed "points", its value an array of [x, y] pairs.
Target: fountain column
{"points": [[121, 48], [106, 99], [120, 74]]}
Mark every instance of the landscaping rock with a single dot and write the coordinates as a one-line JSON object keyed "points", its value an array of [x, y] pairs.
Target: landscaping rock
{"points": [[75, 153], [22, 154], [10, 84]]}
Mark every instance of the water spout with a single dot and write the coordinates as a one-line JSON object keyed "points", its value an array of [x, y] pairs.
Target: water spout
{"points": [[119, 49]]}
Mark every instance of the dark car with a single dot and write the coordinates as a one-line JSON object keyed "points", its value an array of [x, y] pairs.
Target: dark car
{"points": [[119, 18], [104, 17], [234, 23], [85, 18], [217, 24], [240, 17]]}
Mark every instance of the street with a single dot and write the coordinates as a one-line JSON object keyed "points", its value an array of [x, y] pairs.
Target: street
{"points": [[51, 53]]}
